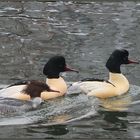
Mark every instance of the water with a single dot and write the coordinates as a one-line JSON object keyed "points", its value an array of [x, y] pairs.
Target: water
{"points": [[85, 32]]}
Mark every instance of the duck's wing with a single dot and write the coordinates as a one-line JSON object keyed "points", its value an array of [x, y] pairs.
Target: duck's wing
{"points": [[92, 79], [100, 89], [9, 91], [22, 82], [88, 86], [85, 85], [13, 89]]}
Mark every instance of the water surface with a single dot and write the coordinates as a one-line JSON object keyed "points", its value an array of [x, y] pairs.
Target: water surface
{"points": [[85, 33]]}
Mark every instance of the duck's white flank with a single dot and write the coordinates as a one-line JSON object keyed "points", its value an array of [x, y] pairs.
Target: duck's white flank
{"points": [[117, 85]]}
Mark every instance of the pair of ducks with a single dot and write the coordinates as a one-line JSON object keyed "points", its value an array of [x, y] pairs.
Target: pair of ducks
{"points": [[55, 85]]}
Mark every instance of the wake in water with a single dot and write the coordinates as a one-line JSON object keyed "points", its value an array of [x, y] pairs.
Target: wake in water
{"points": [[72, 107]]}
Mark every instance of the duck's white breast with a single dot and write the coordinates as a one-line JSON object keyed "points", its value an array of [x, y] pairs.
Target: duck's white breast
{"points": [[57, 84]]}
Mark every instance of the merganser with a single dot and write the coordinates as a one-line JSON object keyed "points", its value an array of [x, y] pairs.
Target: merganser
{"points": [[117, 83], [52, 70], [33, 89]]}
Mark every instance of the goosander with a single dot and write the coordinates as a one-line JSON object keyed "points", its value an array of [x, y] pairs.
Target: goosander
{"points": [[33, 90], [117, 83], [52, 70]]}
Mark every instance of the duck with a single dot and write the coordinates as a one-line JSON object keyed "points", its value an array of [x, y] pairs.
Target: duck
{"points": [[33, 89], [51, 70], [116, 85]]}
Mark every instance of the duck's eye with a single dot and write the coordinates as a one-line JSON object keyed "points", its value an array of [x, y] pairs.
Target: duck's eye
{"points": [[125, 58], [61, 66]]}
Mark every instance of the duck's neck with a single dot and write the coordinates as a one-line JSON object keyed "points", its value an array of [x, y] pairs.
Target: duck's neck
{"points": [[57, 84], [119, 81]]}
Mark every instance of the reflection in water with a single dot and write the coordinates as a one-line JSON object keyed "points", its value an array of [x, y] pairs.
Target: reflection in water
{"points": [[119, 111], [120, 103], [85, 33], [115, 120], [115, 111], [62, 118], [49, 130], [57, 130]]}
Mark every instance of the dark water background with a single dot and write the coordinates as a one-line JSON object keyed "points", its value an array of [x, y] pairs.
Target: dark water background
{"points": [[85, 32]]}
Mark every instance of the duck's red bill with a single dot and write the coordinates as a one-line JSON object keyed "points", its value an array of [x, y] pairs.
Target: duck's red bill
{"points": [[133, 62], [70, 69]]}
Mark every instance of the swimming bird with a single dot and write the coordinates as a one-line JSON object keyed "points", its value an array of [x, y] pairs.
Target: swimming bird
{"points": [[52, 70], [117, 84], [33, 89]]}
